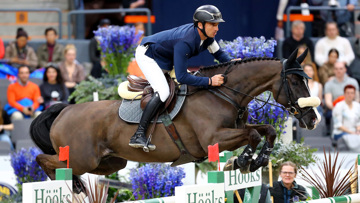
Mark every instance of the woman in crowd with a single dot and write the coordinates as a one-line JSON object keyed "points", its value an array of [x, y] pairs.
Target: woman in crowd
{"points": [[5, 124], [316, 89], [287, 190], [19, 53], [308, 60], [326, 71], [53, 89], [71, 70]]}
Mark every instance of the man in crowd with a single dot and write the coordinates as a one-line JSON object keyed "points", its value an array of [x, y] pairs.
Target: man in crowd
{"points": [[296, 39], [23, 96], [330, 41], [50, 51]]}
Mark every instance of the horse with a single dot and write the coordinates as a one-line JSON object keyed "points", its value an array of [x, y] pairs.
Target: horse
{"points": [[98, 138]]}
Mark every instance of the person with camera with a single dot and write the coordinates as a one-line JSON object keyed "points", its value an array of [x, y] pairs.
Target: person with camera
{"points": [[23, 96]]}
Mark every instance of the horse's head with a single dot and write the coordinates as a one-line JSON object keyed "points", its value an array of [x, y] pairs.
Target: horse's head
{"points": [[293, 92]]}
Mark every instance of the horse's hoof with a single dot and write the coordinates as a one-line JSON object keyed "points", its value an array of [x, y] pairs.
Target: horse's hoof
{"points": [[229, 165], [244, 170]]}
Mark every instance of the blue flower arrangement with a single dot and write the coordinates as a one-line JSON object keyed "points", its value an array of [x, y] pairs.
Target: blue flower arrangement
{"points": [[117, 45], [25, 166], [155, 180], [244, 47], [268, 114]]}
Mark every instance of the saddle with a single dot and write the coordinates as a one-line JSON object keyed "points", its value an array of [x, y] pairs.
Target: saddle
{"points": [[137, 84]]}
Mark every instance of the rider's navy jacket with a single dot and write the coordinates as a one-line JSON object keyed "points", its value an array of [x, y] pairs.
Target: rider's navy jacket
{"points": [[172, 48]]}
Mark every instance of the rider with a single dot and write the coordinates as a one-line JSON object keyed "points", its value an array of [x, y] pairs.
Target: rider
{"points": [[170, 49]]}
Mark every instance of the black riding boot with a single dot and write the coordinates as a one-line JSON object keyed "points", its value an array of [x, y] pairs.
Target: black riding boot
{"points": [[138, 140]]}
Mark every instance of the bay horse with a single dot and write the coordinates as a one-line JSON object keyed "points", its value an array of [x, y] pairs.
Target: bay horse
{"points": [[98, 138]]}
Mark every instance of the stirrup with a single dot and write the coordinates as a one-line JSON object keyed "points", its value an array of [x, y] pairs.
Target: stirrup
{"points": [[148, 146]]}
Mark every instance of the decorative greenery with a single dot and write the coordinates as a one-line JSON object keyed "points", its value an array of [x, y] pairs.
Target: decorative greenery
{"points": [[26, 168], [242, 47], [330, 183], [105, 86], [155, 180], [117, 45]]}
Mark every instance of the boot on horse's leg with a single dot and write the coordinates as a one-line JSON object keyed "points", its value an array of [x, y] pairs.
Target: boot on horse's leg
{"points": [[138, 140], [263, 158]]}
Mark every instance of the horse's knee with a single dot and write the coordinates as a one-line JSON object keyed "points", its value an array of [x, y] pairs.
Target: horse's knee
{"points": [[255, 137], [271, 134]]}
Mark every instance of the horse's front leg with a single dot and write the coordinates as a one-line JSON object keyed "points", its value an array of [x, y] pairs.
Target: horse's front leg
{"points": [[264, 156], [231, 139]]}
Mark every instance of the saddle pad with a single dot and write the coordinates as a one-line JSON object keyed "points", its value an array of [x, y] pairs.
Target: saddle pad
{"points": [[131, 112]]}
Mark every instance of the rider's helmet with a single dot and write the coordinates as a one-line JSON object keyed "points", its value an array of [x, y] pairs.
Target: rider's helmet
{"points": [[207, 13]]}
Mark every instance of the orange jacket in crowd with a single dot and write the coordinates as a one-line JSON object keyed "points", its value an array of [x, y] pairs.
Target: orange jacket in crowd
{"points": [[17, 92], [2, 49]]}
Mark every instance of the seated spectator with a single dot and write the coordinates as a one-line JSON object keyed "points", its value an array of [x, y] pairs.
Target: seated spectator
{"points": [[297, 39], [308, 60], [19, 53], [53, 89], [287, 190], [95, 53], [314, 86], [5, 124], [334, 88], [71, 70], [326, 71], [332, 40], [23, 96], [50, 51], [346, 117], [343, 17], [2, 49]]}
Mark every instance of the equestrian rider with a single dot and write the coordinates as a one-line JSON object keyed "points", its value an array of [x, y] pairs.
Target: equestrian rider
{"points": [[170, 49]]}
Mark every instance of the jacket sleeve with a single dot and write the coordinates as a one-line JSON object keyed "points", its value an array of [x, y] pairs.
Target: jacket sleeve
{"points": [[36, 96], [2, 49], [11, 98], [218, 53], [182, 53], [93, 49], [41, 57], [32, 58]]}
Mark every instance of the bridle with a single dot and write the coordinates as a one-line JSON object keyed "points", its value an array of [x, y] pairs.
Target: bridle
{"points": [[293, 108]]}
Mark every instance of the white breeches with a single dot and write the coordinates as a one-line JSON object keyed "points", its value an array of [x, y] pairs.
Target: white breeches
{"points": [[153, 73]]}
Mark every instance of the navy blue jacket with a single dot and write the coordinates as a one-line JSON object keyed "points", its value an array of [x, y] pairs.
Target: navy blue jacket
{"points": [[172, 48]]}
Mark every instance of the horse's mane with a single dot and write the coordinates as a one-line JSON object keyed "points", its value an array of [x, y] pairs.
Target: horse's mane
{"points": [[245, 60]]}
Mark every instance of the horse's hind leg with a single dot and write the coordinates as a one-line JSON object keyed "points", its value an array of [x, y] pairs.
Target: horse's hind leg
{"points": [[264, 156], [49, 163]]}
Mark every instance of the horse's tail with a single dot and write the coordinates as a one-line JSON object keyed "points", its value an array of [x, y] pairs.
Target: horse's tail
{"points": [[40, 128]]}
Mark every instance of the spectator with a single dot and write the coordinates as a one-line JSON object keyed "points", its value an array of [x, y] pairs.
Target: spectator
{"points": [[50, 51], [2, 49], [331, 41], [326, 71], [308, 60], [297, 39], [71, 70], [344, 18], [334, 88], [94, 51], [346, 117], [287, 190], [53, 89], [23, 96], [314, 86], [5, 124], [19, 53]]}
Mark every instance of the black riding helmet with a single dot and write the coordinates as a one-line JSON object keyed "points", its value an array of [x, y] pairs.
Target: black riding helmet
{"points": [[207, 13]]}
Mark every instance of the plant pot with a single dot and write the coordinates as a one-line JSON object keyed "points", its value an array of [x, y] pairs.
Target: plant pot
{"points": [[265, 175]]}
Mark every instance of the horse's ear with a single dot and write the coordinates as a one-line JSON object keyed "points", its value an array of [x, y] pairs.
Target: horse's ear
{"points": [[292, 57], [301, 58]]}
